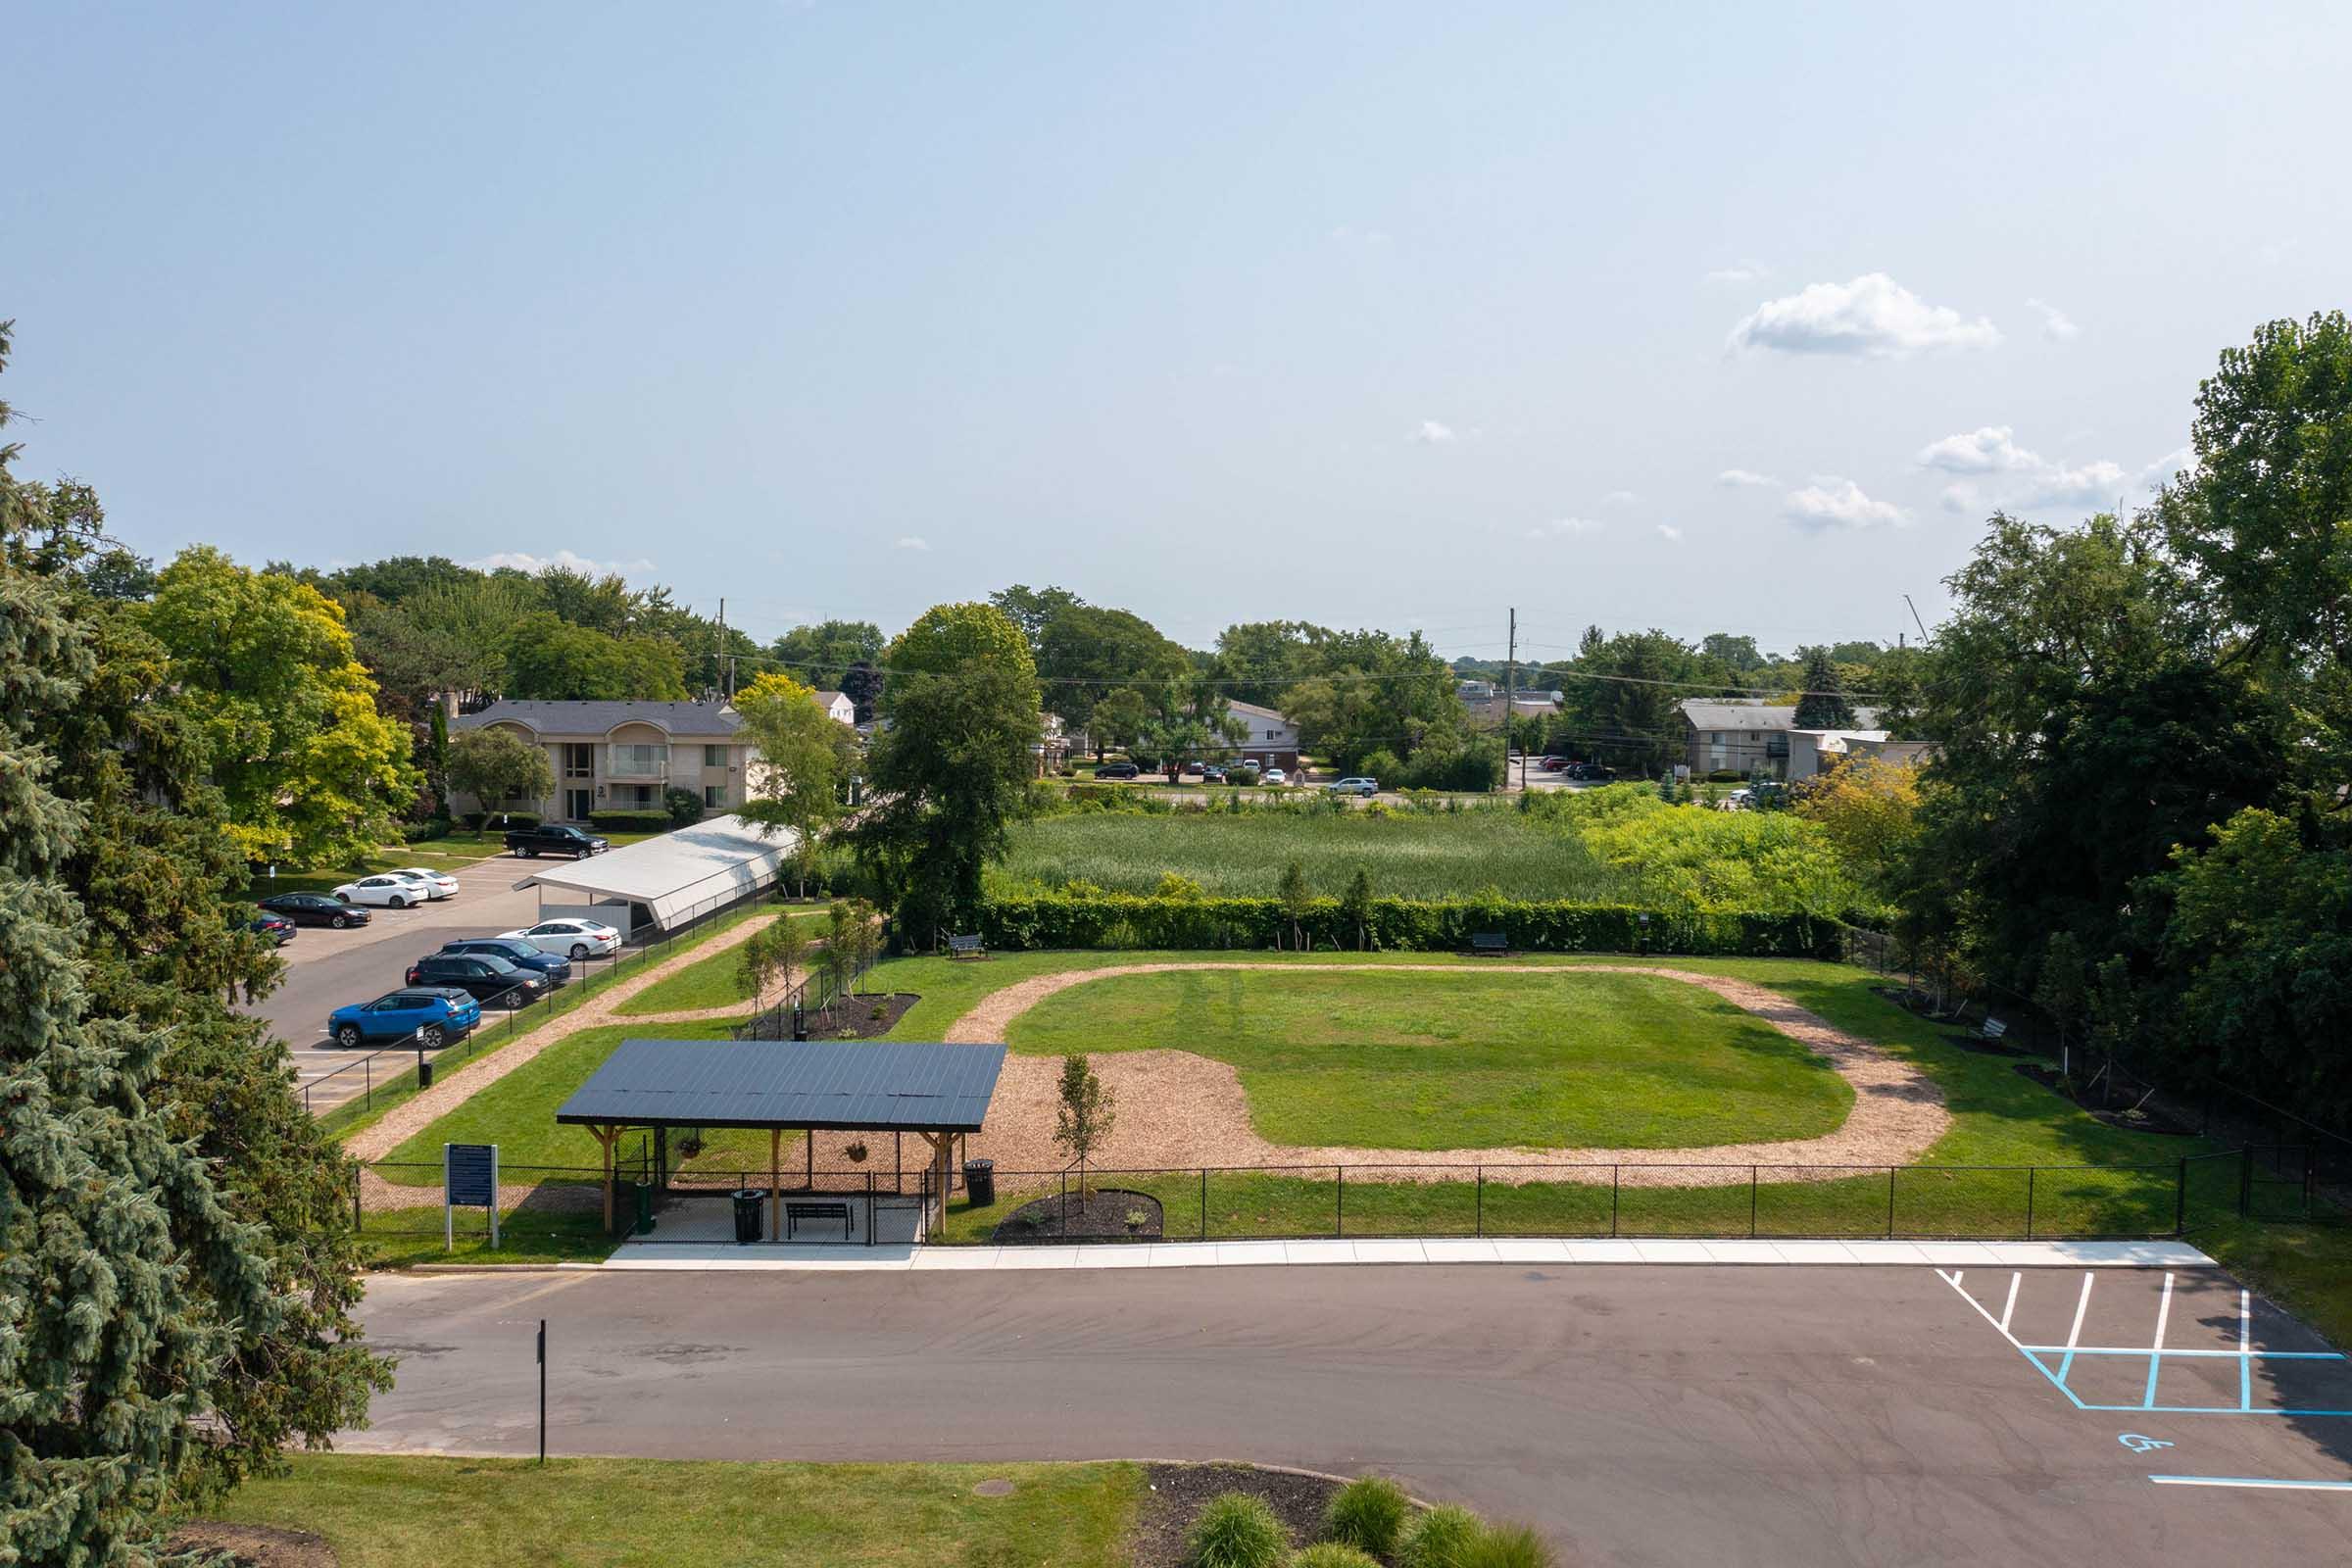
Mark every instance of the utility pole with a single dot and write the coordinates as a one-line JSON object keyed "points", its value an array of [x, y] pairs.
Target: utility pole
{"points": [[720, 666], [1510, 685]]}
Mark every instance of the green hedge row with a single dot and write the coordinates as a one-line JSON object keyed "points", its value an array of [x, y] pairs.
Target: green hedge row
{"points": [[630, 821], [1135, 920], [500, 821]]}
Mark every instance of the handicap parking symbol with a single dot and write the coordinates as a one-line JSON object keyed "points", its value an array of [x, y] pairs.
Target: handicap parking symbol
{"points": [[2139, 1443]]}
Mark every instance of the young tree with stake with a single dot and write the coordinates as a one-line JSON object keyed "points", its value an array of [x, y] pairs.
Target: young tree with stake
{"points": [[1081, 1120]]}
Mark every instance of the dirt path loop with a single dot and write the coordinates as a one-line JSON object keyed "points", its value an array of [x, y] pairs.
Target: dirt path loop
{"points": [[1176, 1108], [413, 1117]]}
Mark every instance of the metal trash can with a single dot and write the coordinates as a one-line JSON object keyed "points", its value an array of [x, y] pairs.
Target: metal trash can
{"points": [[980, 1182], [645, 1210], [747, 1215]]}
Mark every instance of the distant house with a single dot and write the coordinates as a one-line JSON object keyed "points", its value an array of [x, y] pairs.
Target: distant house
{"points": [[1268, 739], [838, 707], [617, 755], [1749, 735]]}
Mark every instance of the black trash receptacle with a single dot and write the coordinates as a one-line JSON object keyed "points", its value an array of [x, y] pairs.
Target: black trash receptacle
{"points": [[980, 1182], [645, 1210], [747, 1213]]}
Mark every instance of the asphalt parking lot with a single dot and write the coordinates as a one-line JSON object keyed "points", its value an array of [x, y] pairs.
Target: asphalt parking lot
{"points": [[1637, 1414]]}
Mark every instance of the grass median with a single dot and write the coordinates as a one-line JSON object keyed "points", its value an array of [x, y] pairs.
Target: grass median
{"points": [[384, 1511]]}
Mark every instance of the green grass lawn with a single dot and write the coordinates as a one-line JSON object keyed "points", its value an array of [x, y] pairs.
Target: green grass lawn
{"points": [[2305, 1268], [398, 1511], [1413, 856], [1465, 1060], [713, 982]]}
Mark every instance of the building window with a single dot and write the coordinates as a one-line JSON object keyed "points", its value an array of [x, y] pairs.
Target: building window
{"points": [[639, 762], [579, 759], [715, 795], [714, 757]]}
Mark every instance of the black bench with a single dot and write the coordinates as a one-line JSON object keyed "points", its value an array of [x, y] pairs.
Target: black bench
{"points": [[1992, 1028], [1490, 945], [795, 1212], [970, 947]]}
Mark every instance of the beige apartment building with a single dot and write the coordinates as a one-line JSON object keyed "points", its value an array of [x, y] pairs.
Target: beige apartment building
{"points": [[610, 756]]}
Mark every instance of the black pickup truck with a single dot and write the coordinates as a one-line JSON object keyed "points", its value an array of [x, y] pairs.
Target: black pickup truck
{"points": [[554, 839]]}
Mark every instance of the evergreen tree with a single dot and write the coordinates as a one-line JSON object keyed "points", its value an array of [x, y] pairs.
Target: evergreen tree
{"points": [[1823, 705]]}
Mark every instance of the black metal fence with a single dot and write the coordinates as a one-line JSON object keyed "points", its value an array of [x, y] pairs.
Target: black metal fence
{"points": [[818, 990]]}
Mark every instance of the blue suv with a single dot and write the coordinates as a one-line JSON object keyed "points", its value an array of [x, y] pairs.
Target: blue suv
{"points": [[442, 1015]]}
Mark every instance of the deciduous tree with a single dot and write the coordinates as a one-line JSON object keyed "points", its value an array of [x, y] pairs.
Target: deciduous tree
{"points": [[495, 767]]}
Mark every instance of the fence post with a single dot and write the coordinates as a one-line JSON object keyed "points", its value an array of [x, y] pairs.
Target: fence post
{"points": [[2029, 1174], [1205, 1202], [1614, 1171], [1890, 1170], [2245, 1181], [1752, 1202], [356, 1222], [2181, 1200], [1338, 1201], [1477, 1224]]}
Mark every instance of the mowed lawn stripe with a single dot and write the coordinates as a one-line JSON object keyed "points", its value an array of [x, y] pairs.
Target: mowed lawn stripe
{"points": [[1464, 1060]]}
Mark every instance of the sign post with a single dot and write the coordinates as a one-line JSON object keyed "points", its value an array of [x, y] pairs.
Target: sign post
{"points": [[543, 1389], [469, 1176]]}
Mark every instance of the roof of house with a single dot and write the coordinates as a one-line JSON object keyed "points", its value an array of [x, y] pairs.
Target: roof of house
{"points": [[1754, 714], [853, 1085], [828, 698], [1253, 711], [602, 718]]}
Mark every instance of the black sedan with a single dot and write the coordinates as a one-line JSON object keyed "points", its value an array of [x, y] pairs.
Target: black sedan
{"points": [[555, 966], [276, 927], [480, 975], [314, 909]]}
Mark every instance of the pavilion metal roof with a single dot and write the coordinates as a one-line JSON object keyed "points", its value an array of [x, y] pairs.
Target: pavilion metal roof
{"points": [[847, 1085]]}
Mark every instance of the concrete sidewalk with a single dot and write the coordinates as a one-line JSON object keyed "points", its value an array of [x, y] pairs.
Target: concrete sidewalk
{"points": [[837, 1258]]}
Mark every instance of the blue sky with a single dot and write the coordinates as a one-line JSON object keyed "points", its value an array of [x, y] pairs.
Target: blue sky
{"points": [[1365, 314]]}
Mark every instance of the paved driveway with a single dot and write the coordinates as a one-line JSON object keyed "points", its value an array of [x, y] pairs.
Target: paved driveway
{"points": [[1725, 1416]]}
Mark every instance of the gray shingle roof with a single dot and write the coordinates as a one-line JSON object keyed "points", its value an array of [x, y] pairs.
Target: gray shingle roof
{"points": [[850, 1085], [598, 718], [1754, 715]]}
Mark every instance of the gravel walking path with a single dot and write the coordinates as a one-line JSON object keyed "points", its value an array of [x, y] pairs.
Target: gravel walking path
{"points": [[1176, 1108]]}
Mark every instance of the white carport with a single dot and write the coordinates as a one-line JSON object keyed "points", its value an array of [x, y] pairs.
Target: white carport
{"points": [[670, 880]]}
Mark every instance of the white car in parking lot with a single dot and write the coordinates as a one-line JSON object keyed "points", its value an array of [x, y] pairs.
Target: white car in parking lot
{"points": [[391, 890], [440, 884], [568, 937]]}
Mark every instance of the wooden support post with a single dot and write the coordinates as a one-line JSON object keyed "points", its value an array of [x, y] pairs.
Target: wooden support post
{"points": [[809, 1137], [775, 1184], [605, 1138]]}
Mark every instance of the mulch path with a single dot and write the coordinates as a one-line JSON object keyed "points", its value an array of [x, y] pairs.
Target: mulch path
{"points": [[255, 1545], [1100, 1216], [1179, 1492]]}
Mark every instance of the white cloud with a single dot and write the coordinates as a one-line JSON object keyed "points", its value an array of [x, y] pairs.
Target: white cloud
{"points": [[1830, 501], [911, 542], [524, 561], [1560, 527], [1990, 449], [1959, 498], [1745, 479], [1619, 498], [2094, 484], [1670, 533], [1873, 316], [2156, 475], [1431, 433], [2056, 324], [1741, 271]]}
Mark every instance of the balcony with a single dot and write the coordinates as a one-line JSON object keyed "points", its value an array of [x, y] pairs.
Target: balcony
{"points": [[626, 764]]}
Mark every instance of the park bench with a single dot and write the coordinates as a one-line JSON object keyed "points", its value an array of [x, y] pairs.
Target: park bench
{"points": [[970, 947], [1490, 945], [796, 1212], [1992, 1028]]}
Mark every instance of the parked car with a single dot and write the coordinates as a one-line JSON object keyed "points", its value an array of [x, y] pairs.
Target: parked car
{"points": [[314, 909], [276, 927], [517, 952], [554, 838], [1211, 773], [1275, 778], [440, 883], [575, 937], [1366, 787], [1118, 770], [434, 1017], [393, 890], [1553, 764], [480, 975]]}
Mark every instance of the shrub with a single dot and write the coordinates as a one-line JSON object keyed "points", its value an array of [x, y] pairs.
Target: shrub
{"points": [[684, 806], [1507, 1546], [473, 821], [508, 821], [630, 821], [1366, 1513], [1331, 1554], [419, 832], [1236, 1531], [1437, 1537]]}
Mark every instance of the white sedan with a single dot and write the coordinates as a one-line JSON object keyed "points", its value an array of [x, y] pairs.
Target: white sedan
{"points": [[568, 937], [1275, 778], [392, 889], [439, 884]]}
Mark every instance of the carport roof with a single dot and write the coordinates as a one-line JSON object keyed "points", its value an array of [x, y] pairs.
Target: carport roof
{"points": [[682, 872], [843, 1085]]}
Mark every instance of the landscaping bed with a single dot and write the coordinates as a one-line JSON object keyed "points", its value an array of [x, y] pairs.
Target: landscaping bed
{"points": [[2146, 1118], [863, 1016], [1177, 1493], [1101, 1215]]}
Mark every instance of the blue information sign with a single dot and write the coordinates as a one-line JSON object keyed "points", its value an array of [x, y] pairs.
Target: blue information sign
{"points": [[469, 1176]]}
